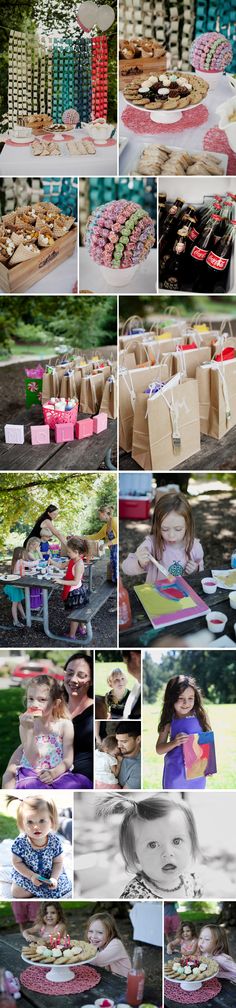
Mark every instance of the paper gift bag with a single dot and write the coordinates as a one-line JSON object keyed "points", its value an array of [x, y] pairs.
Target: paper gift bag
{"points": [[203, 376], [50, 386], [130, 383], [127, 360], [67, 387], [79, 371], [187, 361], [92, 389], [172, 427], [222, 415], [132, 327], [33, 385], [109, 398]]}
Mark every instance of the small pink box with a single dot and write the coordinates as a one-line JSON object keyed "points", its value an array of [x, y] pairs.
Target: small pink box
{"points": [[64, 432], [40, 434], [14, 433], [83, 428], [99, 423]]}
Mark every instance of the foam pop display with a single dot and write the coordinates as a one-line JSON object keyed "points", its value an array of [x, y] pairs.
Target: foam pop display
{"points": [[210, 54], [119, 236]]}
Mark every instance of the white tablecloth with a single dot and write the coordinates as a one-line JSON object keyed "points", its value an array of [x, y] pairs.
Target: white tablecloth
{"points": [[60, 281], [91, 277], [20, 161], [190, 139]]}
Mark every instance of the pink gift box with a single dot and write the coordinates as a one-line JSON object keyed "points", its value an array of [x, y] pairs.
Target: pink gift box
{"points": [[83, 428], [64, 432], [14, 433], [40, 434], [99, 423]]}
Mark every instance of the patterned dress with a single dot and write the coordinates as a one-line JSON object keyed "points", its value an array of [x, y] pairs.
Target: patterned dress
{"points": [[50, 747], [138, 889], [40, 861]]}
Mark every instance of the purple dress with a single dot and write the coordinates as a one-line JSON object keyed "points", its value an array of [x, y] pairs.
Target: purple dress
{"points": [[174, 772], [50, 747]]}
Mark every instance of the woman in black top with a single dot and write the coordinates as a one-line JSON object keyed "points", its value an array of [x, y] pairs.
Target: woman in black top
{"points": [[48, 516], [78, 686]]}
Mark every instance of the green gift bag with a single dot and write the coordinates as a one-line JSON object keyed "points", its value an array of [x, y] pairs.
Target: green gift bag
{"points": [[33, 386]]}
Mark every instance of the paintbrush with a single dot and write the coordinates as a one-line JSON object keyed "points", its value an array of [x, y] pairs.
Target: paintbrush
{"points": [[170, 577]]}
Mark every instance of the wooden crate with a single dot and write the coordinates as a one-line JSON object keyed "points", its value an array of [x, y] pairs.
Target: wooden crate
{"points": [[145, 65], [18, 279]]}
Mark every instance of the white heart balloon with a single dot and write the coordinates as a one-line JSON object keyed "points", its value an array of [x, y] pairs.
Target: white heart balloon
{"points": [[90, 14]]}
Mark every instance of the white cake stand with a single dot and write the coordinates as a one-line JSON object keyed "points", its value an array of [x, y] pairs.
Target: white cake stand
{"points": [[167, 115], [57, 974], [191, 985]]}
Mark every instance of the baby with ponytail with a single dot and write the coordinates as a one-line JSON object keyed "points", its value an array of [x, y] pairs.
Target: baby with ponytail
{"points": [[159, 845]]}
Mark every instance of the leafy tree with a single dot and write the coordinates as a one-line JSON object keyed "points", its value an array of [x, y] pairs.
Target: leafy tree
{"points": [[216, 677], [62, 322]]}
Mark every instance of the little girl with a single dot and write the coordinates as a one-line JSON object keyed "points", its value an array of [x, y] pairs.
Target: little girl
{"points": [[37, 853], [158, 841], [108, 532], [102, 932], [182, 714], [212, 941], [118, 694], [14, 593], [33, 556], [171, 541], [75, 593], [107, 764], [185, 939], [47, 736], [50, 920]]}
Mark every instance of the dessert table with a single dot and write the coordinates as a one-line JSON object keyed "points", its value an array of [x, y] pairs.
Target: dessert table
{"points": [[201, 121], [110, 985], [18, 158]]}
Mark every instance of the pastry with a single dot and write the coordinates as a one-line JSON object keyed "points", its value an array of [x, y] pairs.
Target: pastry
{"points": [[160, 160], [167, 90]]}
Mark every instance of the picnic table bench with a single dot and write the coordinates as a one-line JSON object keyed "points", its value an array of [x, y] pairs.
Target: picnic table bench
{"points": [[86, 613], [110, 985], [142, 631], [86, 455], [214, 455]]}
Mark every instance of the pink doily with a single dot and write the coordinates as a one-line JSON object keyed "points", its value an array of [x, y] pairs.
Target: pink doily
{"points": [[141, 122], [216, 140], [35, 979], [208, 990]]}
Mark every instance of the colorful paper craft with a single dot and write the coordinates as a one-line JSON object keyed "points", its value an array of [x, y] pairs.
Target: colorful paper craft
{"points": [[199, 755], [225, 579], [167, 603]]}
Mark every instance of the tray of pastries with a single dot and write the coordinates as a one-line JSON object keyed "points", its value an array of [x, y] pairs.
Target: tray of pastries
{"points": [[41, 954], [167, 91], [190, 969]]}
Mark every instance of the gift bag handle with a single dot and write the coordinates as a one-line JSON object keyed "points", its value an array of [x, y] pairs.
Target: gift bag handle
{"points": [[224, 323], [132, 318]]}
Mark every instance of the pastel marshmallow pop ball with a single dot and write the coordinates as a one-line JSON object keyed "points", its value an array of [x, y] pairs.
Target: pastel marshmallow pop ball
{"points": [[211, 52], [119, 234], [70, 117]]}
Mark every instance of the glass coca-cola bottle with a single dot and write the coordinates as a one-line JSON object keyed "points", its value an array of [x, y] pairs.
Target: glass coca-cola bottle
{"points": [[173, 278], [218, 261], [199, 253], [162, 212], [171, 225]]}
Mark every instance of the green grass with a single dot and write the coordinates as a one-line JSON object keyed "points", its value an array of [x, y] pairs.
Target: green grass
{"points": [[11, 706], [102, 671], [8, 827], [222, 719]]}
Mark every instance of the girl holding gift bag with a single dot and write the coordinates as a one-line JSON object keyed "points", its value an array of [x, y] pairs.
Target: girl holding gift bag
{"points": [[172, 541], [15, 594], [182, 714]]}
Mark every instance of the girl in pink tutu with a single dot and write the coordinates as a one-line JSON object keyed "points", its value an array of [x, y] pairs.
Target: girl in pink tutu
{"points": [[47, 735]]}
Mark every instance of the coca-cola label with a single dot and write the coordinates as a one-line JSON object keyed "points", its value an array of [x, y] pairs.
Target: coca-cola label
{"points": [[198, 253], [193, 234], [216, 262]]}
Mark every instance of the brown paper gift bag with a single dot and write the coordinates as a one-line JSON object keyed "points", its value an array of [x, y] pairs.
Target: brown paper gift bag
{"points": [[67, 385], [127, 360], [203, 376], [132, 328], [166, 426], [130, 383], [217, 398], [50, 385], [92, 389], [187, 361], [109, 398]]}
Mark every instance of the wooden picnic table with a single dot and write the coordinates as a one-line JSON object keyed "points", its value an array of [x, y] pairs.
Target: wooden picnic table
{"points": [[47, 586], [86, 455], [214, 455], [110, 985], [141, 625]]}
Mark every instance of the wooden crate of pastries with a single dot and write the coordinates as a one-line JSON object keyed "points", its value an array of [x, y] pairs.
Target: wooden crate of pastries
{"points": [[138, 56], [33, 241]]}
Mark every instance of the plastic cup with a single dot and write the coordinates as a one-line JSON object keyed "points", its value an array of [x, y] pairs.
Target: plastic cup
{"points": [[216, 621], [209, 585], [232, 599]]}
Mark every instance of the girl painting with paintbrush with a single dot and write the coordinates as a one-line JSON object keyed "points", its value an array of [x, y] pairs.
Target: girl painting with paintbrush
{"points": [[171, 549]]}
